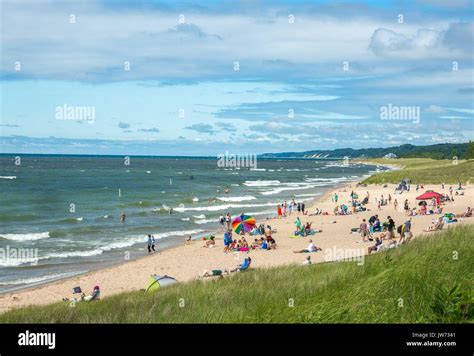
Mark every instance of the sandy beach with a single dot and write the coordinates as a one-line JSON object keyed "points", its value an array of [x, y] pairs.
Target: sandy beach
{"points": [[185, 262]]}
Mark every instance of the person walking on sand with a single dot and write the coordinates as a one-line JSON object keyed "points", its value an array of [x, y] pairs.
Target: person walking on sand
{"points": [[364, 231], [395, 204], [153, 242], [149, 243], [406, 207]]}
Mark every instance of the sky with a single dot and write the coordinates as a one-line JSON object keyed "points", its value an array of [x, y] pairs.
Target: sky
{"points": [[202, 78]]}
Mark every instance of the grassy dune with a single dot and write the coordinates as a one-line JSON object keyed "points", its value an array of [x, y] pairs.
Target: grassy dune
{"points": [[424, 170], [427, 280]]}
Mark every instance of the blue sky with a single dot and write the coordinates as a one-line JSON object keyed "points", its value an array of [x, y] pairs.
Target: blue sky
{"points": [[182, 94]]}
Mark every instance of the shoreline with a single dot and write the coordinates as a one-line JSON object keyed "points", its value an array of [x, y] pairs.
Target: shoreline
{"points": [[215, 231], [133, 274]]}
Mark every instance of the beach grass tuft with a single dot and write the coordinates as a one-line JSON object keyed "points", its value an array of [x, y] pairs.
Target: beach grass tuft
{"points": [[427, 280]]}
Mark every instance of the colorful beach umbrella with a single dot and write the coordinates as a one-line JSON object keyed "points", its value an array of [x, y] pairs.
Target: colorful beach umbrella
{"points": [[245, 222]]}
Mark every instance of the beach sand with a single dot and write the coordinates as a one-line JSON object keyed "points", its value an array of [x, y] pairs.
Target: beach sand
{"points": [[185, 262]]}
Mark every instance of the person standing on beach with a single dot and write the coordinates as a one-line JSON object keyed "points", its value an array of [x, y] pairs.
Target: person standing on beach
{"points": [[227, 221], [153, 243], [391, 228], [149, 244], [364, 230], [406, 207], [302, 208], [279, 211]]}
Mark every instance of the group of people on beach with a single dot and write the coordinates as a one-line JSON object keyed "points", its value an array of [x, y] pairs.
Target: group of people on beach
{"points": [[151, 242], [386, 230], [285, 209]]}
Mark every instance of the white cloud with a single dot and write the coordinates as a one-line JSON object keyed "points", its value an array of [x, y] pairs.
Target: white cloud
{"points": [[424, 42]]}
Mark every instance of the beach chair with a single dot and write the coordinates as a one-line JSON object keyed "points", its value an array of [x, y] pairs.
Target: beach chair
{"points": [[244, 266]]}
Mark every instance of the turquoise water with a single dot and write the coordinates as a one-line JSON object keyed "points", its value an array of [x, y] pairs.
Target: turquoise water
{"points": [[69, 207]]}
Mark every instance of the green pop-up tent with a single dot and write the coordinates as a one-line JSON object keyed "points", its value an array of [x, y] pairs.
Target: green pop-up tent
{"points": [[156, 282]]}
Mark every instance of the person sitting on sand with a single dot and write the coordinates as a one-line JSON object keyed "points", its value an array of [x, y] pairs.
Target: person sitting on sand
{"points": [[307, 229], [254, 244], [244, 245], [95, 295], [467, 214], [210, 243], [376, 226], [214, 273], [237, 246], [311, 248], [307, 261], [243, 266], [376, 247], [436, 225], [271, 243]]}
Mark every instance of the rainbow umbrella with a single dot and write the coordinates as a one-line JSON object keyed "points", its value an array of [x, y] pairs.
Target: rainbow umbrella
{"points": [[245, 222]]}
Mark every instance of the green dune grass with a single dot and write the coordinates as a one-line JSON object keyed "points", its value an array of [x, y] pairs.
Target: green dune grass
{"points": [[427, 280], [424, 170]]}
